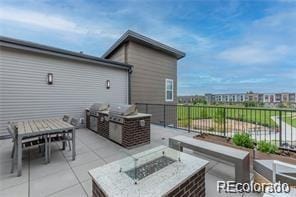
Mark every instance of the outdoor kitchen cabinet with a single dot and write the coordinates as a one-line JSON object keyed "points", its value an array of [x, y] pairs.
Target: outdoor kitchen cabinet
{"points": [[130, 131]]}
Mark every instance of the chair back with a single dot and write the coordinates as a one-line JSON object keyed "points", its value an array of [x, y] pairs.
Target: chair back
{"points": [[74, 122], [66, 118], [11, 130]]}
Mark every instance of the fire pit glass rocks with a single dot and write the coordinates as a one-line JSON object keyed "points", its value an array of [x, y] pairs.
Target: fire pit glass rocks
{"points": [[145, 165]]}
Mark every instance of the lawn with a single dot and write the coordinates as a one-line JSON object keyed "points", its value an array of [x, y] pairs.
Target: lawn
{"points": [[258, 116], [291, 119]]}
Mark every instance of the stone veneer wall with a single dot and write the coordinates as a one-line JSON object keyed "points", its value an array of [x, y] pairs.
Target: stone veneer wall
{"points": [[96, 191], [103, 126], [133, 134], [194, 186]]}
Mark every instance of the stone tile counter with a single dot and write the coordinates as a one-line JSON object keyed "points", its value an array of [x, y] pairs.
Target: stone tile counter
{"points": [[160, 171]]}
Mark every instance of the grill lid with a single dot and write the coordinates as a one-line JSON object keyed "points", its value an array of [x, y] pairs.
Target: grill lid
{"points": [[123, 110], [96, 107]]}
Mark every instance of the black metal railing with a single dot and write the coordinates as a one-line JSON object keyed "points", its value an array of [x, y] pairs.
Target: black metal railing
{"points": [[263, 124]]}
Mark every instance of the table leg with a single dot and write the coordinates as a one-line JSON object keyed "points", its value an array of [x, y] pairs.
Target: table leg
{"points": [[64, 143], [49, 148], [46, 148], [19, 156], [73, 145]]}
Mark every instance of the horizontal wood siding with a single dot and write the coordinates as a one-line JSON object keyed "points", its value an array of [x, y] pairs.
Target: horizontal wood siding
{"points": [[151, 68], [25, 94], [118, 55]]}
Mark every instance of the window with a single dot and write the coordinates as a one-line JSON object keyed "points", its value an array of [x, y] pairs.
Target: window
{"points": [[169, 90]]}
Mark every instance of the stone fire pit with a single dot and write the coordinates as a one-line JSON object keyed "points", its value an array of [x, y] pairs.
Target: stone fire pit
{"points": [[160, 171]]}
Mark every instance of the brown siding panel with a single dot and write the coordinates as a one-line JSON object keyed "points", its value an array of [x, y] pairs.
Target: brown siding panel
{"points": [[151, 68]]}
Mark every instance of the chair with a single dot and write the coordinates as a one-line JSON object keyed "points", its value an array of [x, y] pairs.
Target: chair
{"points": [[62, 137], [26, 144], [66, 118], [74, 122]]}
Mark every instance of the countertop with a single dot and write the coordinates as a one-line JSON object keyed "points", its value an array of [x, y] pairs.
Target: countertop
{"points": [[116, 183], [138, 115]]}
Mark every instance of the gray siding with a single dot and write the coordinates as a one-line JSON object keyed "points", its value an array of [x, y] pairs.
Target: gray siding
{"points": [[118, 55], [151, 68], [25, 94]]}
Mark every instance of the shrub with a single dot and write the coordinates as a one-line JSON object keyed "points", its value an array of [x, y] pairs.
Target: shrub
{"points": [[267, 147], [243, 139]]}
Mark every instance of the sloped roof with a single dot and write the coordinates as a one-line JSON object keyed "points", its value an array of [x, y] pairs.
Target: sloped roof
{"points": [[131, 35], [39, 48]]}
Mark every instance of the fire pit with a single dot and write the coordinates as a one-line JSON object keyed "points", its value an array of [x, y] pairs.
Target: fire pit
{"points": [[149, 168], [160, 171]]}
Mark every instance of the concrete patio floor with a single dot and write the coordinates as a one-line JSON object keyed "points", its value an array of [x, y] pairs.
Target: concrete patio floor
{"points": [[64, 177]]}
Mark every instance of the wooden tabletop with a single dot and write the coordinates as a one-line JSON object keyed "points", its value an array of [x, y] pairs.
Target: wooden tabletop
{"points": [[33, 127]]}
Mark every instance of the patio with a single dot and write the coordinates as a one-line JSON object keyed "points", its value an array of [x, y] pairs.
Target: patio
{"points": [[64, 177]]}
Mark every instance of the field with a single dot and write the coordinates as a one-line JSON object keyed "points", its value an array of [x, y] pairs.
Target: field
{"points": [[291, 120], [257, 116]]}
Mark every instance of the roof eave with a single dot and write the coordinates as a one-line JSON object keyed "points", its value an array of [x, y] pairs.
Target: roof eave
{"points": [[130, 35]]}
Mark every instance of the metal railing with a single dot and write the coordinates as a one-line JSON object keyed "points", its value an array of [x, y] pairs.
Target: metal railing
{"points": [[263, 124]]}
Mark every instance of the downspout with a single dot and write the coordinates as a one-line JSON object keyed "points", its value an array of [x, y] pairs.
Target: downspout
{"points": [[130, 71]]}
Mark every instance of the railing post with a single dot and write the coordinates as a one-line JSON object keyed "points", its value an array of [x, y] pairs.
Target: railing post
{"points": [[189, 119], [224, 121], [280, 125], [164, 111]]}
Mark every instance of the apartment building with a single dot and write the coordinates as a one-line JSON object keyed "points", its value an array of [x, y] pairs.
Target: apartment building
{"points": [[225, 97], [256, 97]]}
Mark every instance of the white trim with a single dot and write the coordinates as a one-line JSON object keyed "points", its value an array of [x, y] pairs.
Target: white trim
{"points": [[166, 81]]}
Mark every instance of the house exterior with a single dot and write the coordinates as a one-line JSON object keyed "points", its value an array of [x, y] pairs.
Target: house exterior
{"points": [[79, 80], [154, 77]]}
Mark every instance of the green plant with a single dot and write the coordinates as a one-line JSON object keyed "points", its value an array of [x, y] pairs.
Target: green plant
{"points": [[267, 147], [243, 139]]}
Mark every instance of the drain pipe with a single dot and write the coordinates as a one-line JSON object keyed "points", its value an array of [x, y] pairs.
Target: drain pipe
{"points": [[130, 71]]}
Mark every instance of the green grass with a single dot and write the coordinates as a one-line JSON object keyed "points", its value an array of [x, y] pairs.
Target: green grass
{"points": [[291, 120], [256, 116]]}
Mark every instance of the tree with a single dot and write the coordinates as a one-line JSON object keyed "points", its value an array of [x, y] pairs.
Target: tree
{"points": [[250, 104]]}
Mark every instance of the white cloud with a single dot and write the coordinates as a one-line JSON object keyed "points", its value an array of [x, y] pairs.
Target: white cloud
{"points": [[254, 54], [268, 40], [55, 22]]}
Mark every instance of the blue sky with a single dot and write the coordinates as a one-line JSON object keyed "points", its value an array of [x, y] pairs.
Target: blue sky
{"points": [[231, 46]]}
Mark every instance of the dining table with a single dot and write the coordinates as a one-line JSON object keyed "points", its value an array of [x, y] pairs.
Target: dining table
{"points": [[41, 127]]}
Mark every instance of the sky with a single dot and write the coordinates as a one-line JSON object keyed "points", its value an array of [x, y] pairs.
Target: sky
{"points": [[231, 46]]}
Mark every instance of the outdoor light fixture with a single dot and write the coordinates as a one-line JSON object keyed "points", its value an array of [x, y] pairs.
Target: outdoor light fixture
{"points": [[49, 78], [108, 84]]}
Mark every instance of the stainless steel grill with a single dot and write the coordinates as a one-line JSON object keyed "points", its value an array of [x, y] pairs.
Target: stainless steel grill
{"points": [[117, 113], [93, 111], [97, 107], [122, 110]]}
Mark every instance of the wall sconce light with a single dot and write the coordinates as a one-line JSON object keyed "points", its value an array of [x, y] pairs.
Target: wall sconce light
{"points": [[49, 78], [108, 84]]}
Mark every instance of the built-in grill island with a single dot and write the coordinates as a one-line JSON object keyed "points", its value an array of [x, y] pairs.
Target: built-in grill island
{"points": [[97, 119], [119, 123], [127, 127]]}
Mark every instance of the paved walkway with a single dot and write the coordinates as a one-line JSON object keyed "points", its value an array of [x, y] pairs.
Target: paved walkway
{"points": [[64, 177]]}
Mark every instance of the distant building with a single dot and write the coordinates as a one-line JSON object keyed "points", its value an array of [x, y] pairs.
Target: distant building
{"points": [[225, 98], [189, 99], [250, 96]]}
